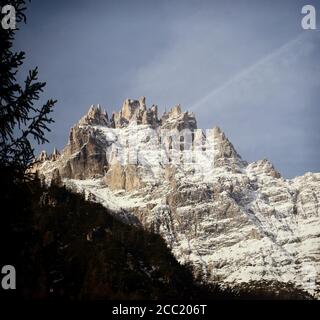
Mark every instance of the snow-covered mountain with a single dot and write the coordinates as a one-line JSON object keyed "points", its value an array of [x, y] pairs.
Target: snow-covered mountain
{"points": [[232, 221]]}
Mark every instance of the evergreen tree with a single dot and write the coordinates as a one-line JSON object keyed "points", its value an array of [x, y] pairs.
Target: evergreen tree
{"points": [[21, 121]]}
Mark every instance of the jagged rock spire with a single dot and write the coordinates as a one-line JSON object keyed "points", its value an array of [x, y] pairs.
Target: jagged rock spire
{"points": [[55, 154], [95, 116], [225, 155], [135, 111], [263, 167], [176, 119], [43, 156]]}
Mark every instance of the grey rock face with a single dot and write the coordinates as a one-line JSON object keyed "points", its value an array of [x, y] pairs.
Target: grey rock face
{"points": [[84, 156]]}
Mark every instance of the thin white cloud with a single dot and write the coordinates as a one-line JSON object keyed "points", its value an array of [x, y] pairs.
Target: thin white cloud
{"points": [[283, 50]]}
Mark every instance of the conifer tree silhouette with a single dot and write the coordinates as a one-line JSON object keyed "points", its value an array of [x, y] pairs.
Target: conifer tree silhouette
{"points": [[21, 121]]}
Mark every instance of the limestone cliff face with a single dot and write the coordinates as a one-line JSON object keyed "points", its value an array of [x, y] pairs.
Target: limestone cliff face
{"points": [[233, 221], [120, 177], [84, 156], [115, 178]]}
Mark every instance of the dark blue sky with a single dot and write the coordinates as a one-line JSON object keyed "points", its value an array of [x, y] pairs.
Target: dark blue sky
{"points": [[246, 66]]}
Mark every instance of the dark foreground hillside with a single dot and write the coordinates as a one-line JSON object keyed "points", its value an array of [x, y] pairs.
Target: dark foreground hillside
{"points": [[64, 247]]}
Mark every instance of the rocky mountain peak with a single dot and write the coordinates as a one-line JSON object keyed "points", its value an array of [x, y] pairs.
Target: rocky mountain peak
{"points": [[263, 167], [95, 116], [232, 221], [43, 156], [225, 155], [55, 154], [135, 111], [175, 111], [177, 119]]}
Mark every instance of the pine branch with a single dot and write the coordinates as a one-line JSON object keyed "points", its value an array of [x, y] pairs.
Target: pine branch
{"points": [[20, 120]]}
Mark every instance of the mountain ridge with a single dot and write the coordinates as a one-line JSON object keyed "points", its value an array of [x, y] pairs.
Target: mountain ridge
{"points": [[232, 221]]}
